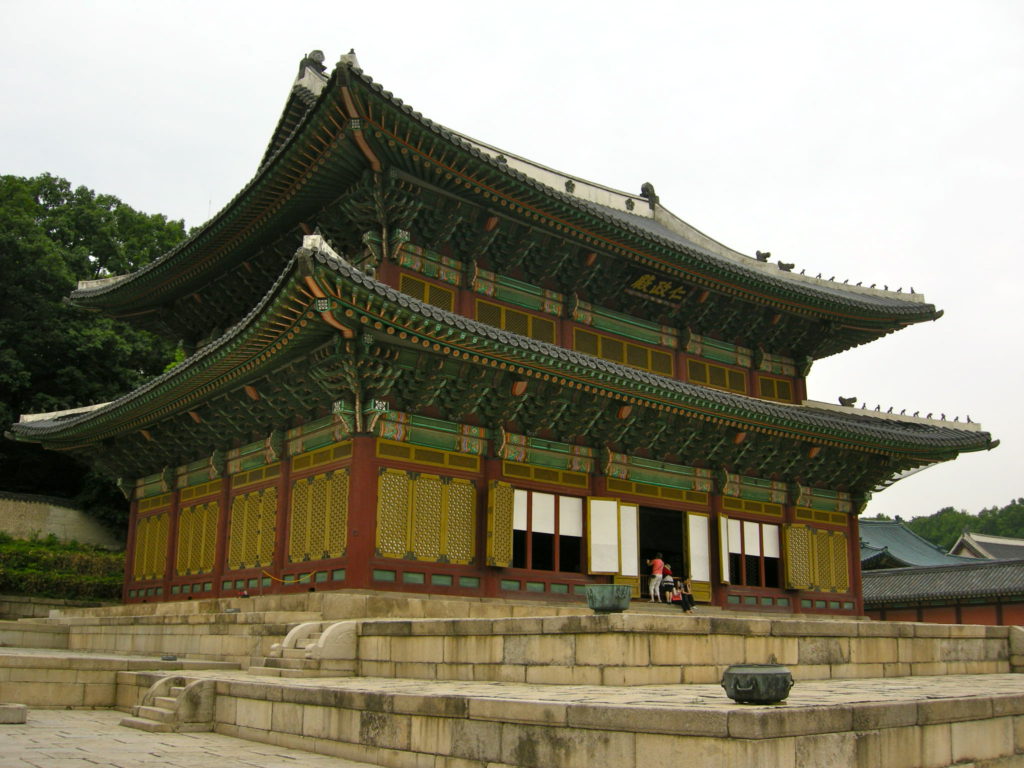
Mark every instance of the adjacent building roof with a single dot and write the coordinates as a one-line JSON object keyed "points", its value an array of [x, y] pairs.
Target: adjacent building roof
{"points": [[963, 581], [890, 544], [982, 545]]}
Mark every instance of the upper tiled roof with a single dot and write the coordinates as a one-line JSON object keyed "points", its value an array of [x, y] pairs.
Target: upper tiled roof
{"points": [[963, 581], [892, 541], [871, 312]]}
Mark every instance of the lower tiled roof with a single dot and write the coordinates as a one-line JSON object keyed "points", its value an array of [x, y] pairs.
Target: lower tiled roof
{"points": [[963, 581]]}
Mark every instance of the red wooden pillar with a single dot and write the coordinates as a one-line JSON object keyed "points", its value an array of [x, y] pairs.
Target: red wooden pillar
{"points": [[788, 518], [362, 512], [282, 525], [489, 577], [129, 552], [853, 554], [172, 542], [718, 592], [219, 565]]}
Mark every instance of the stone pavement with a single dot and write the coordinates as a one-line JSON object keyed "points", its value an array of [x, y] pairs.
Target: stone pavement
{"points": [[58, 738]]}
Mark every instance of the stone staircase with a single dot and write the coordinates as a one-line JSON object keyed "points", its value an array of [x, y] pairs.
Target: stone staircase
{"points": [[174, 704]]}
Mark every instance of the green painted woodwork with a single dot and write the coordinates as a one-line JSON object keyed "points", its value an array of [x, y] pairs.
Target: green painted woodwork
{"points": [[545, 453], [661, 473], [631, 327]]}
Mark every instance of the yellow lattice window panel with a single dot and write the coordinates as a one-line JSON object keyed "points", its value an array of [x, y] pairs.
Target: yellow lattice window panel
{"points": [[735, 504], [150, 561], [816, 559], [798, 554], [425, 517], [319, 517], [427, 511], [393, 513], [840, 563], [197, 538], [500, 519], [627, 353], [775, 389], [252, 529], [427, 292], [460, 521], [716, 376], [515, 321]]}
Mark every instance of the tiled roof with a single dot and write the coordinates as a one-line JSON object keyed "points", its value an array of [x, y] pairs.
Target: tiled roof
{"points": [[855, 426], [991, 547], [883, 306], [901, 544], [971, 580]]}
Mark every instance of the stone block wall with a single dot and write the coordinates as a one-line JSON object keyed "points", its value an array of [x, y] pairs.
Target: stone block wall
{"points": [[644, 650], [24, 516]]}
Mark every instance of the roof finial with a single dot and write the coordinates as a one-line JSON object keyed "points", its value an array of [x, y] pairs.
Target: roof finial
{"points": [[647, 191], [313, 60], [349, 59]]}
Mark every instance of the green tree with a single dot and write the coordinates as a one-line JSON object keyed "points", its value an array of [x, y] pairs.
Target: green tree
{"points": [[53, 355], [944, 527]]}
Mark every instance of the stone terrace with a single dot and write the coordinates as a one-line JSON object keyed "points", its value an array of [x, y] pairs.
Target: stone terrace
{"points": [[491, 684]]}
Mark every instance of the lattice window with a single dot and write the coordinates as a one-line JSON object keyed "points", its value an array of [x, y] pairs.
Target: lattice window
{"points": [[516, 321], [716, 376], [393, 513], [197, 535], [184, 552], [822, 559], [460, 528], [253, 525], [319, 517], [619, 351], [427, 292], [775, 389], [151, 547], [798, 554], [500, 518], [840, 563], [426, 518]]}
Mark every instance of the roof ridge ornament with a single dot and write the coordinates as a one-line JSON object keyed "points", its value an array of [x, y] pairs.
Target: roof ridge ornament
{"points": [[647, 192], [349, 59], [313, 60]]}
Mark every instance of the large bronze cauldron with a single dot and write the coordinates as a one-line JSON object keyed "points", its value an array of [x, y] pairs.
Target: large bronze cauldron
{"points": [[757, 683]]}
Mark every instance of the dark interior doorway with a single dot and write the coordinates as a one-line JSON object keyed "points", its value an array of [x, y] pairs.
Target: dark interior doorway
{"points": [[662, 530]]}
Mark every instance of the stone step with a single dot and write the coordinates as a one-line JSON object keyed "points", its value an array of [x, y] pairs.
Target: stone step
{"points": [[279, 672], [166, 702], [289, 663], [177, 690], [293, 653], [159, 714], [142, 724]]}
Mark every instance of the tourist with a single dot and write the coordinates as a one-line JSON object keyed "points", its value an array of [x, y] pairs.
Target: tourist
{"points": [[657, 567], [686, 595]]}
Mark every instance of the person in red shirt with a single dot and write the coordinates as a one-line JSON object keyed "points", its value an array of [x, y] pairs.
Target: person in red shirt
{"points": [[657, 569]]}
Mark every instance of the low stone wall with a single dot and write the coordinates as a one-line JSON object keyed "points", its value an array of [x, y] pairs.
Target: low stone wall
{"points": [[629, 649], [30, 634], [24, 516], [14, 607], [405, 729], [204, 629], [66, 680]]}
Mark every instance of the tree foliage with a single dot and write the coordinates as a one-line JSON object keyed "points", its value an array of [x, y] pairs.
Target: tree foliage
{"points": [[53, 355], [945, 526]]}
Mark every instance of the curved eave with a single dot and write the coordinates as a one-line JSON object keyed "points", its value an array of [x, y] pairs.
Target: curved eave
{"points": [[305, 172], [509, 190], [261, 340]]}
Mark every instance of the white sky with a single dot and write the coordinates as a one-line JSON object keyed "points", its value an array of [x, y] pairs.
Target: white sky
{"points": [[875, 141]]}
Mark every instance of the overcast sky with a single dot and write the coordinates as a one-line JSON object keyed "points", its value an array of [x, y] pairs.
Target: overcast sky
{"points": [[874, 141]]}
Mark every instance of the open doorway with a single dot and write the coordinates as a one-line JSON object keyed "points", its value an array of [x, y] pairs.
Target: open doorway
{"points": [[662, 530]]}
